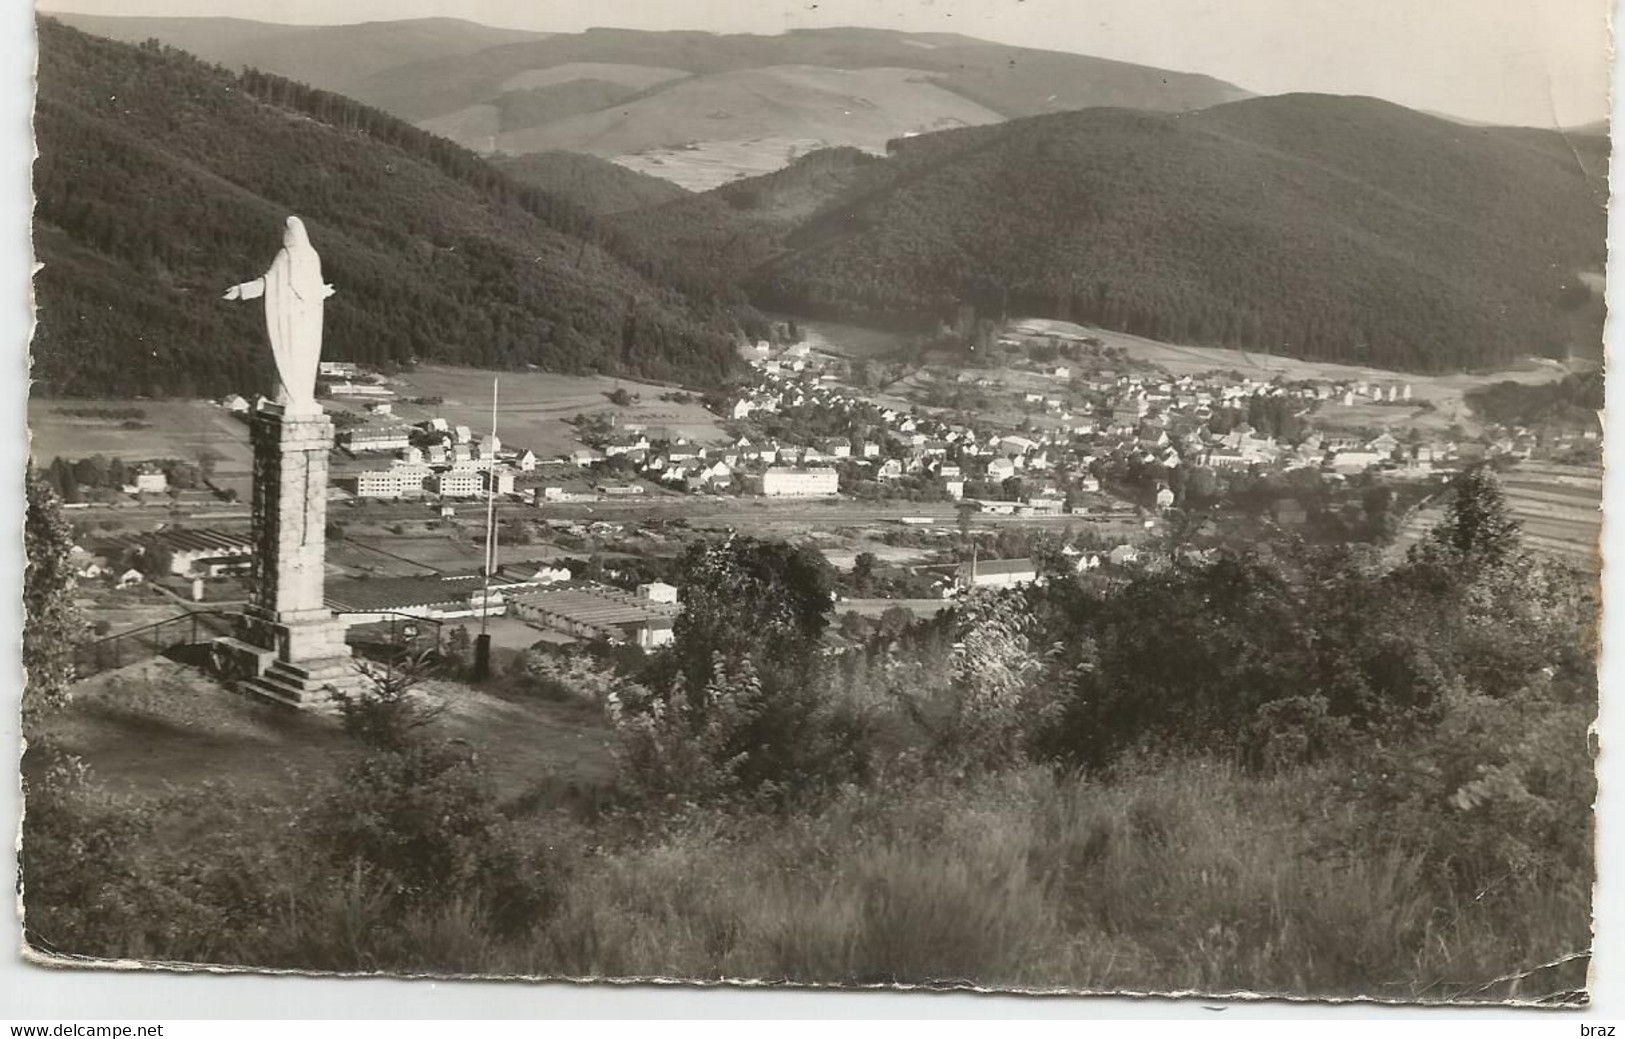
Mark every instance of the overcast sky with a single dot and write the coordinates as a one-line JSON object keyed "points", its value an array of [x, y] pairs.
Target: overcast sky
{"points": [[1532, 62]]}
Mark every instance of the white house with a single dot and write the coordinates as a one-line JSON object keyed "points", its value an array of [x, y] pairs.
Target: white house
{"points": [[151, 480], [717, 474], [380, 483], [998, 573], [458, 483], [500, 480], [658, 591], [779, 482]]}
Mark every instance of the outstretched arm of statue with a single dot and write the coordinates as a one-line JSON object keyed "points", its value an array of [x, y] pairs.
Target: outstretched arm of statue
{"points": [[247, 290]]}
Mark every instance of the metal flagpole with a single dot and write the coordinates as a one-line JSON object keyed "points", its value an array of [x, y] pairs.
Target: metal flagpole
{"points": [[482, 648]]}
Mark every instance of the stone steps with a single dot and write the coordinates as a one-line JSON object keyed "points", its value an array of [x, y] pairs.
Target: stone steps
{"points": [[309, 686]]}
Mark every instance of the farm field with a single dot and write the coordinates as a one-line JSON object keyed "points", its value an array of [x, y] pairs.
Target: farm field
{"points": [[1559, 508], [711, 164], [895, 555], [125, 609], [838, 340], [179, 429], [412, 555], [535, 407]]}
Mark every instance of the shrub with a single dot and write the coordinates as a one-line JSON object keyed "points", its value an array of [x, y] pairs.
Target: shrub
{"points": [[741, 741], [422, 823]]}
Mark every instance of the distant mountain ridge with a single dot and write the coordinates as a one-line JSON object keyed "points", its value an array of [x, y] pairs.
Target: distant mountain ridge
{"points": [[695, 108], [162, 180], [1334, 228], [330, 57]]}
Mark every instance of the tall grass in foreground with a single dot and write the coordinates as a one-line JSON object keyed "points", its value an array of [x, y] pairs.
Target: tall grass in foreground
{"points": [[1190, 878], [1183, 877]]}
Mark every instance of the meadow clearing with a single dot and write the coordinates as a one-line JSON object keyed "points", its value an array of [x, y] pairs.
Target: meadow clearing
{"points": [[186, 430], [535, 408]]}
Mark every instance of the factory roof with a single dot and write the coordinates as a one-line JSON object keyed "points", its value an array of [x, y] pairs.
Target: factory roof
{"points": [[587, 603]]}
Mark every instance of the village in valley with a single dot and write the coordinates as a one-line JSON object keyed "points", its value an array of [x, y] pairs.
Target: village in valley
{"points": [[917, 476], [788, 503]]}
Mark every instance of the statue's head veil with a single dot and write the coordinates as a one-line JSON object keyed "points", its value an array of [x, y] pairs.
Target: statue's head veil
{"points": [[294, 237]]}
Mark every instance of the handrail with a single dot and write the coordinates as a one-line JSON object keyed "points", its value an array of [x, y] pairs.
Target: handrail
{"points": [[438, 622], [155, 625], [108, 652], [149, 640]]}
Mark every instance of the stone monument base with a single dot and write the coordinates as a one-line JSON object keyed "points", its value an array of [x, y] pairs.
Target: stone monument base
{"points": [[292, 660]]}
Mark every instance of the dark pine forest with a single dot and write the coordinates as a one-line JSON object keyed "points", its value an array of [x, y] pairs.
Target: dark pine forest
{"points": [[162, 180], [1339, 229]]}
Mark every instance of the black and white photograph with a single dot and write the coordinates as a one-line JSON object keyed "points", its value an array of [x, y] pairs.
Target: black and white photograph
{"points": [[1083, 498]]}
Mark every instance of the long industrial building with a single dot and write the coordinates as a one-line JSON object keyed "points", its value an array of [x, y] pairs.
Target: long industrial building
{"points": [[208, 552], [592, 611]]}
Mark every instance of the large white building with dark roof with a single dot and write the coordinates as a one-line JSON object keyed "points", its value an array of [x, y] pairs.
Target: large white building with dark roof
{"points": [[780, 482]]}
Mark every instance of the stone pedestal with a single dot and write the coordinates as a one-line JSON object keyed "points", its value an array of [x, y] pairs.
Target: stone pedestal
{"points": [[287, 614]]}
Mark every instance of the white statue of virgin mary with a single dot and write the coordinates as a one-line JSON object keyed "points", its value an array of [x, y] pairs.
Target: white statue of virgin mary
{"points": [[294, 294]]}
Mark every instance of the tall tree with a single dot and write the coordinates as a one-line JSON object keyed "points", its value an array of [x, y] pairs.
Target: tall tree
{"points": [[768, 601], [1479, 528], [51, 621]]}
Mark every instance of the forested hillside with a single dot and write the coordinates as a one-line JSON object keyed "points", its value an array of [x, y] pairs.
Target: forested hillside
{"points": [[730, 231], [1334, 228], [162, 180], [596, 185]]}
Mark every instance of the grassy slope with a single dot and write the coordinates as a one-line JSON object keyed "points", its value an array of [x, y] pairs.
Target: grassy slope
{"points": [[862, 108], [1188, 877], [434, 254], [150, 727], [1009, 80]]}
